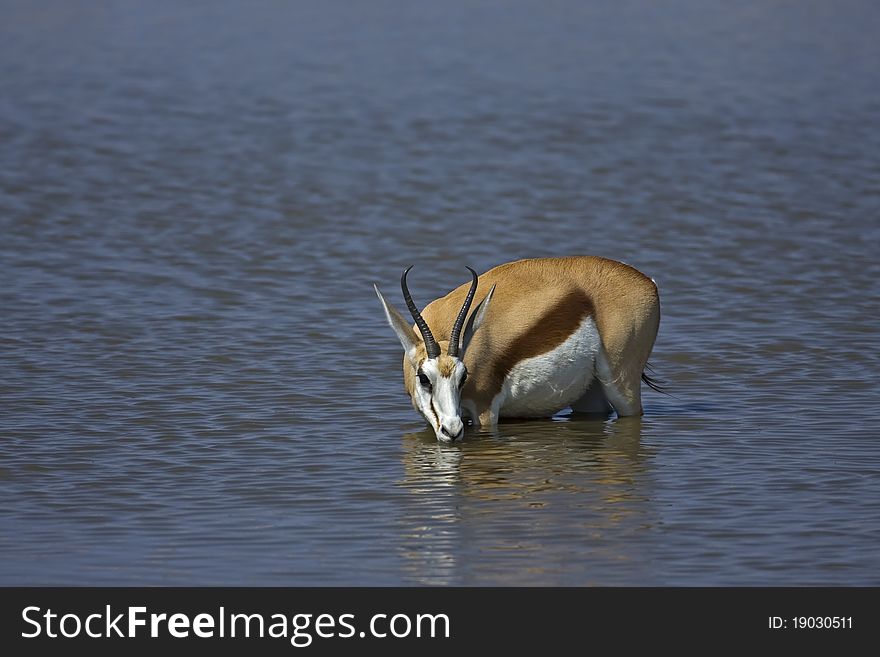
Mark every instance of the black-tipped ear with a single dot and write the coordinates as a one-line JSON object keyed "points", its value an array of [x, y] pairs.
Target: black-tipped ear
{"points": [[475, 320]]}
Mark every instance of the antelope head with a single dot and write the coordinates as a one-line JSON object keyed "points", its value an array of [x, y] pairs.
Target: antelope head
{"points": [[434, 372]]}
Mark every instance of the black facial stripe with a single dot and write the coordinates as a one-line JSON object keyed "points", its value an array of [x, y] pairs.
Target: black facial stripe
{"points": [[434, 413], [424, 381]]}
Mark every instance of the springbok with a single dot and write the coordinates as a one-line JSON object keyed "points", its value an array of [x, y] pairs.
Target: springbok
{"points": [[549, 333]]}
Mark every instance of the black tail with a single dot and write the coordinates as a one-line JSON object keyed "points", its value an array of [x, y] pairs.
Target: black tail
{"points": [[652, 383]]}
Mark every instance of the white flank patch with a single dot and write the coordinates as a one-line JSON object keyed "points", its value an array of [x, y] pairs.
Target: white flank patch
{"points": [[545, 384]]}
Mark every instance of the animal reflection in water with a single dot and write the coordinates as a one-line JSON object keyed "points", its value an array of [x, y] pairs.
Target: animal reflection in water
{"points": [[522, 495], [548, 333]]}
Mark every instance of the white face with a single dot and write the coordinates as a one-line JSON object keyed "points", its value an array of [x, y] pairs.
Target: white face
{"points": [[438, 398], [436, 389]]}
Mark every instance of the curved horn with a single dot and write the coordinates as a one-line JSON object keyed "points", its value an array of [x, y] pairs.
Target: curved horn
{"points": [[454, 340], [431, 345]]}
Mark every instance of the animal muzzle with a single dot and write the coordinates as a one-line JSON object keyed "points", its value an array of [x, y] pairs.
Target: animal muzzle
{"points": [[450, 429]]}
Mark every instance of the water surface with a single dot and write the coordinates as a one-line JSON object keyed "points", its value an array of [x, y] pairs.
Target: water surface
{"points": [[198, 386]]}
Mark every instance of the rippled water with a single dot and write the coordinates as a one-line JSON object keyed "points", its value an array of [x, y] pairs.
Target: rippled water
{"points": [[198, 386]]}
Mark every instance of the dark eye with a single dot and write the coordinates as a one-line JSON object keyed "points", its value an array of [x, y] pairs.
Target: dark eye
{"points": [[463, 379], [424, 380]]}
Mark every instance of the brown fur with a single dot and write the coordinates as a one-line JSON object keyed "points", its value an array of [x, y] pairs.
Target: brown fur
{"points": [[445, 364], [537, 304], [542, 335]]}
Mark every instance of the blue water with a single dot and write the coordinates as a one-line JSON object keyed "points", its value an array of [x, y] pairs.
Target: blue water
{"points": [[198, 385]]}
